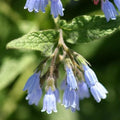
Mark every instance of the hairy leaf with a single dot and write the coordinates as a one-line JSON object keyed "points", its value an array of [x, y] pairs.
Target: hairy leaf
{"points": [[42, 41], [88, 28]]}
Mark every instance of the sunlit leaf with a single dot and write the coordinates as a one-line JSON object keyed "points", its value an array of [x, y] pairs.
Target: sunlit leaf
{"points": [[42, 41], [88, 28]]}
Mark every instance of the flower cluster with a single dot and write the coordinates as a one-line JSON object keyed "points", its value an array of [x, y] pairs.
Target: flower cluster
{"points": [[36, 5], [109, 9], [80, 80], [57, 7]]}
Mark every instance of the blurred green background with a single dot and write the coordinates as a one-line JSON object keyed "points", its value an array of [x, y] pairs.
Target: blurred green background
{"points": [[17, 65]]}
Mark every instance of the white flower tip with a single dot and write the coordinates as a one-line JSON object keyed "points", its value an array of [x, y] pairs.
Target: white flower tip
{"points": [[63, 9], [30, 10], [113, 18], [42, 110], [98, 101], [49, 112], [27, 98], [36, 10], [25, 7]]}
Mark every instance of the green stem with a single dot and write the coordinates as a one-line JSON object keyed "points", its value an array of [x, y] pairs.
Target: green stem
{"points": [[61, 43]]}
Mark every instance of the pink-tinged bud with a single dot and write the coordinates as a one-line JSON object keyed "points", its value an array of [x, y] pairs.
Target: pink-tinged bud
{"points": [[96, 2]]}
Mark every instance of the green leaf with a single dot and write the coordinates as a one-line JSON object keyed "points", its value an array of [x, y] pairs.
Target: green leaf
{"points": [[11, 68], [42, 41], [88, 28]]}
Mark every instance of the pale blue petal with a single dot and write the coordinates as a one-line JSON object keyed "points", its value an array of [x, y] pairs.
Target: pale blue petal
{"points": [[71, 81], [56, 8], [117, 3]]}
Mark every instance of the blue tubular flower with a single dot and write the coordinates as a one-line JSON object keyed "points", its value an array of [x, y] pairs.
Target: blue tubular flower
{"points": [[71, 99], [56, 93], [75, 105], [36, 5], [71, 81], [97, 89], [109, 10], [34, 97], [117, 3], [33, 88], [68, 97], [49, 102], [90, 76], [56, 8], [83, 90]]}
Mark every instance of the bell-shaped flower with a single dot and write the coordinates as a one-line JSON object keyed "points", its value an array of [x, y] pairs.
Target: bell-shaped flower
{"points": [[71, 99], [97, 89], [71, 81], [33, 88], [83, 90], [56, 8], [36, 5], [109, 10], [49, 102]]}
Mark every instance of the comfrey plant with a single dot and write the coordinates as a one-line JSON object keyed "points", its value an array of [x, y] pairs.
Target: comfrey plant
{"points": [[79, 80]]}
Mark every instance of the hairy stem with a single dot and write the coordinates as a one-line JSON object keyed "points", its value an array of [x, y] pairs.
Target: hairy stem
{"points": [[61, 43], [52, 67]]}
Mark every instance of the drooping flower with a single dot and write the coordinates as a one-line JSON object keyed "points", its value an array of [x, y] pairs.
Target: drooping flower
{"points": [[97, 89], [33, 88], [49, 102], [76, 104], [117, 3], [90, 76], [109, 10], [36, 5], [83, 90], [71, 99], [71, 81], [56, 8]]}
